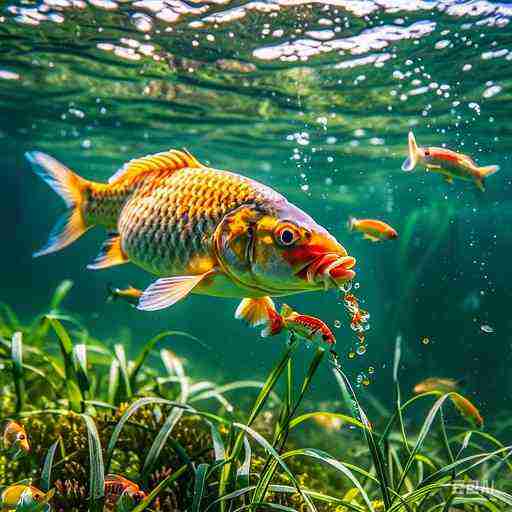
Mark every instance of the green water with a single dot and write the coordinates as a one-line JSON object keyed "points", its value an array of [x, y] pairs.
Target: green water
{"points": [[313, 99]]}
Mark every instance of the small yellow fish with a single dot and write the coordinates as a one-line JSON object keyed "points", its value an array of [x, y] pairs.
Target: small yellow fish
{"points": [[11, 496], [436, 384], [372, 229], [467, 409], [447, 163], [330, 423], [15, 437], [117, 485], [199, 229], [129, 294]]}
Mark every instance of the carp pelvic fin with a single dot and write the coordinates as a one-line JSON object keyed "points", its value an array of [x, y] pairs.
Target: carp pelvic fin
{"points": [[168, 161], [111, 253], [372, 238], [70, 187], [255, 311], [165, 292]]}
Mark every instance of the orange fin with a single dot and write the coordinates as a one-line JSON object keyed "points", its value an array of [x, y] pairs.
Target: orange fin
{"points": [[70, 187], [111, 254], [255, 311], [488, 170], [371, 238], [165, 292], [167, 161]]}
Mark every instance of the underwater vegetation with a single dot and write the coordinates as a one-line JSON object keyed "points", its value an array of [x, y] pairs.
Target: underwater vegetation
{"points": [[110, 432]]}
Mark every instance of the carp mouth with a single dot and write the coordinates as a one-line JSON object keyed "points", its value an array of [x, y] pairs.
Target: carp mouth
{"points": [[329, 269]]}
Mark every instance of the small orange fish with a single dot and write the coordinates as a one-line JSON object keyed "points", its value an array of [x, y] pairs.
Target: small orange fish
{"points": [[372, 229], [467, 409], [11, 496], [117, 485], [257, 312], [129, 294], [447, 163], [436, 384], [15, 437], [328, 421]]}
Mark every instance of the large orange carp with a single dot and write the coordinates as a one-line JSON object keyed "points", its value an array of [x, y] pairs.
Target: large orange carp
{"points": [[199, 229]]}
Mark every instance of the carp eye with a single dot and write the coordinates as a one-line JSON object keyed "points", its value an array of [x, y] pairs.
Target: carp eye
{"points": [[21, 437], [427, 152], [286, 235]]}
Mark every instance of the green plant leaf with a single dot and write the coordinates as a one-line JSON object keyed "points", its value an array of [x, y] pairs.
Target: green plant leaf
{"points": [[199, 484], [80, 363], [73, 387], [148, 347], [17, 369], [46, 473], [97, 470], [60, 293], [123, 366], [113, 381], [269, 449], [141, 402]]}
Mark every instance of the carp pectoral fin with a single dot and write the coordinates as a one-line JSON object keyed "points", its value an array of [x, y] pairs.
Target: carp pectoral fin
{"points": [[111, 253], [255, 311], [371, 238], [448, 179], [165, 292], [480, 184]]}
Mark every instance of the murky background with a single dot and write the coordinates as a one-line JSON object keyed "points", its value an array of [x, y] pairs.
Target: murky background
{"points": [[312, 98]]}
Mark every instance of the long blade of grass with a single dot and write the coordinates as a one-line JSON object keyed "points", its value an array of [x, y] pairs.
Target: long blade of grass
{"points": [[144, 504], [141, 402], [174, 366], [160, 440], [74, 393], [270, 449], [113, 381], [148, 347], [427, 424], [245, 469], [396, 367], [260, 401], [123, 366], [201, 473], [60, 294], [287, 413], [46, 473], [218, 444], [97, 469], [17, 369], [377, 458], [342, 468], [80, 362]]}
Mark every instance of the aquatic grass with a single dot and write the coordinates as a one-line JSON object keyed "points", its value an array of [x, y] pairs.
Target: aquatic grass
{"points": [[17, 369], [97, 469], [221, 456], [46, 473]]}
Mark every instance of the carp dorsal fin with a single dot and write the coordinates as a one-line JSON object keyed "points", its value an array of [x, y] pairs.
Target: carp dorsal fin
{"points": [[171, 161]]}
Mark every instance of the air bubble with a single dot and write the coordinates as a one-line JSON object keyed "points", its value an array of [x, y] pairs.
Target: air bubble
{"points": [[337, 324], [361, 350], [425, 340]]}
